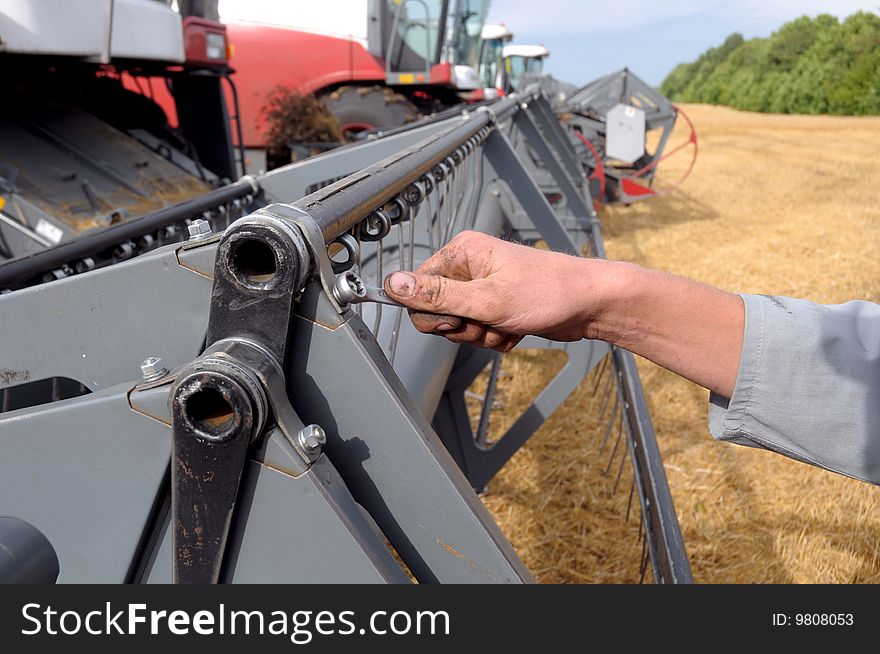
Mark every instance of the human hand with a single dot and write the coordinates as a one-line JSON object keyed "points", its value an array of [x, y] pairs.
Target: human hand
{"points": [[491, 293]]}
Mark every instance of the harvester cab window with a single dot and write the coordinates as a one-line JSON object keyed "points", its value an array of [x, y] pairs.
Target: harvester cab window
{"points": [[490, 62], [467, 26], [415, 31], [517, 66], [515, 71]]}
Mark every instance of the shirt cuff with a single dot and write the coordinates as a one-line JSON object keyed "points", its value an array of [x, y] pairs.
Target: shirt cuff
{"points": [[726, 416]]}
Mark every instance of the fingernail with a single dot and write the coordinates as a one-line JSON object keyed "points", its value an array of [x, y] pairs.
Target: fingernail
{"points": [[402, 284], [445, 327]]}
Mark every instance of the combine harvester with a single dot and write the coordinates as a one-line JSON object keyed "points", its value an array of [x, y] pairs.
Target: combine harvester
{"points": [[610, 120], [241, 407]]}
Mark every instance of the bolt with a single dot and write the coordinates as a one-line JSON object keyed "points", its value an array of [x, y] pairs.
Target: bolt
{"points": [[355, 284], [349, 288], [311, 438], [152, 369], [199, 229]]}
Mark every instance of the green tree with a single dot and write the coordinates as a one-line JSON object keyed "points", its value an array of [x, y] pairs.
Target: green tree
{"points": [[809, 65]]}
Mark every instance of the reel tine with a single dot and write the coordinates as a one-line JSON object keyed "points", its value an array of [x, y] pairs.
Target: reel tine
{"points": [[611, 420], [606, 398], [629, 501], [429, 208], [601, 372], [619, 471], [616, 444], [412, 241], [380, 274], [485, 413]]}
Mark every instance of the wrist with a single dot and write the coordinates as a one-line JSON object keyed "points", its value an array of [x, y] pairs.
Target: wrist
{"points": [[612, 285]]}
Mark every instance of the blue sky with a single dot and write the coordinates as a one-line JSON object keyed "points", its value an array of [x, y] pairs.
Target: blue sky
{"points": [[588, 38]]}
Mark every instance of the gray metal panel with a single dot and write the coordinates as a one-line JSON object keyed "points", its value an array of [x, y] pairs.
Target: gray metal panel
{"points": [[385, 450], [319, 533], [86, 473], [479, 462], [625, 133], [98, 327], [423, 361], [39, 27], [304, 529]]}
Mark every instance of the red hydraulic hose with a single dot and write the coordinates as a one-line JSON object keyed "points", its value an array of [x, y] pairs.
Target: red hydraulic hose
{"points": [[598, 173]]}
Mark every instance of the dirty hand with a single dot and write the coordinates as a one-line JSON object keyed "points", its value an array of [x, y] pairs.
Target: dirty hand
{"points": [[491, 293]]}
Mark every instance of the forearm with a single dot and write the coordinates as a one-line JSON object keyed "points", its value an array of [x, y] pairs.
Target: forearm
{"points": [[689, 328]]}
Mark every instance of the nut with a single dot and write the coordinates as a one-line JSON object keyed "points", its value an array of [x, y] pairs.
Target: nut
{"points": [[152, 369], [199, 229], [311, 438]]}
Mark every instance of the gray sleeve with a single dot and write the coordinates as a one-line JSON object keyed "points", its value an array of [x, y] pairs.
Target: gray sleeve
{"points": [[808, 384]]}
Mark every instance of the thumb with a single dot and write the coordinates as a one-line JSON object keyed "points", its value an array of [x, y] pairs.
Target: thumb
{"points": [[436, 294]]}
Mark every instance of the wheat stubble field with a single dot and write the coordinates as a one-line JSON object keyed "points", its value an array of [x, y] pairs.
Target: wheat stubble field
{"points": [[785, 205]]}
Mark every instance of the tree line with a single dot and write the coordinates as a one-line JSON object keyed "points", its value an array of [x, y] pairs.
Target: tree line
{"points": [[810, 65]]}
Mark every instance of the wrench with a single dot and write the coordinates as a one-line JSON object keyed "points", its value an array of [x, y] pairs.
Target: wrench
{"points": [[351, 289]]}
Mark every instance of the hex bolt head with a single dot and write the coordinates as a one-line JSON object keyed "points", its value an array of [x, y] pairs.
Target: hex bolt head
{"points": [[312, 443], [152, 369], [349, 288], [311, 438], [199, 229], [355, 284]]}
